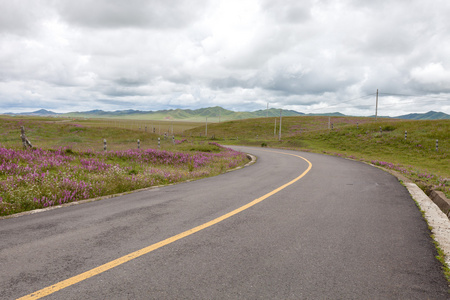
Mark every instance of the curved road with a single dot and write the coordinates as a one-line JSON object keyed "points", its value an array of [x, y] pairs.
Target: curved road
{"points": [[339, 230]]}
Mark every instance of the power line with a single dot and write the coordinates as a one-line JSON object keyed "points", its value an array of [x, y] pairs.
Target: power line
{"points": [[435, 98], [392, 94], [359, 98], [335, 105], [417, 96]]}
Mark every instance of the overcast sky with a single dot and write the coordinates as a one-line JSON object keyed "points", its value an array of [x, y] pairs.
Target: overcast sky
{"points": [[312, 56]]}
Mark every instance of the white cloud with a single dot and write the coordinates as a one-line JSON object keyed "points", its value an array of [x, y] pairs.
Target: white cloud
{"points": [[240, 54], [433, 77]]}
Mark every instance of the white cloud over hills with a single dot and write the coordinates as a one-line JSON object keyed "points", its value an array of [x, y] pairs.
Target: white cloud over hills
{"points": [[311, 56]]}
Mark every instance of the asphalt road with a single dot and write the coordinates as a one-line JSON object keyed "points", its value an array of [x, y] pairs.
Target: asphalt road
{"points": [[346, 230]]}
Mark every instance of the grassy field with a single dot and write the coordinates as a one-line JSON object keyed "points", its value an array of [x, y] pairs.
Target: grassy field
{"points": [[381, 142], [82, 134], [67, 162]]}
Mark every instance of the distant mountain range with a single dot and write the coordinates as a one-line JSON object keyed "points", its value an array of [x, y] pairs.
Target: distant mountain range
{"points": [[214, 113], [431, 115]]}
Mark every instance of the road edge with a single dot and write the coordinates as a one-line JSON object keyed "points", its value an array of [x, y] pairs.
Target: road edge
{"points": [[437, 220]]}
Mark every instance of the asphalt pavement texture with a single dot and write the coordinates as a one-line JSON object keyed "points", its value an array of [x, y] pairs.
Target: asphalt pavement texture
{"points": [[346, 230]]}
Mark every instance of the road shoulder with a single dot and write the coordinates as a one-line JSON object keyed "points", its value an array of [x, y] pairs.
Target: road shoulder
{"points": [[436, 219]]}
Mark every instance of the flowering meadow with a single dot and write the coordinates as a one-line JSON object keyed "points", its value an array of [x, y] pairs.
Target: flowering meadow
{"points": [[38, 178]]}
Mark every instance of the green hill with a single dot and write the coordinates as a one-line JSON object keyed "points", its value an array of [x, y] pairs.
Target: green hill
{"points": [[431, 115], [214, 114]]}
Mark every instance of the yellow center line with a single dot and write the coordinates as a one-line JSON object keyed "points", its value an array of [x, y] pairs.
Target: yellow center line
{"points": [[112, 264]]}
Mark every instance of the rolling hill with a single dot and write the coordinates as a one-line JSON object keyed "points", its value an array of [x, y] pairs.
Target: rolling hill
{"points": [[431, 115], [213, 113]]}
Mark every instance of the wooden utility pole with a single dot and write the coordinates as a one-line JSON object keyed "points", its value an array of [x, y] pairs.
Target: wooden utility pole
{"points": [[279, 134], [376, 108], [275, 129]]}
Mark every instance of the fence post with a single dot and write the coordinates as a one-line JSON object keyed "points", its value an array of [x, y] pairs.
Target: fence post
{"points": [[159, 142], [104, 144], [26, 143], [173, 140], [406, 134], [437, 145], [139, 144]]}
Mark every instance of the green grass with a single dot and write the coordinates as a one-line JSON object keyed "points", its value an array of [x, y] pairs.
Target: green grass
{"points": [[81, 134], [353, 137], [441, 257]]}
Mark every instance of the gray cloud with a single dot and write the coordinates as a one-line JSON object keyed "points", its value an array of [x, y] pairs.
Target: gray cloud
{"points": [[290, 11], [226, 83], [116, 103], [113, 14], [21, 18]]}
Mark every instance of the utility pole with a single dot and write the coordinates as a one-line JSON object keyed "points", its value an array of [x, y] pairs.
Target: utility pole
{"points": [[279, 134], [376, 108], [275, 129]]}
